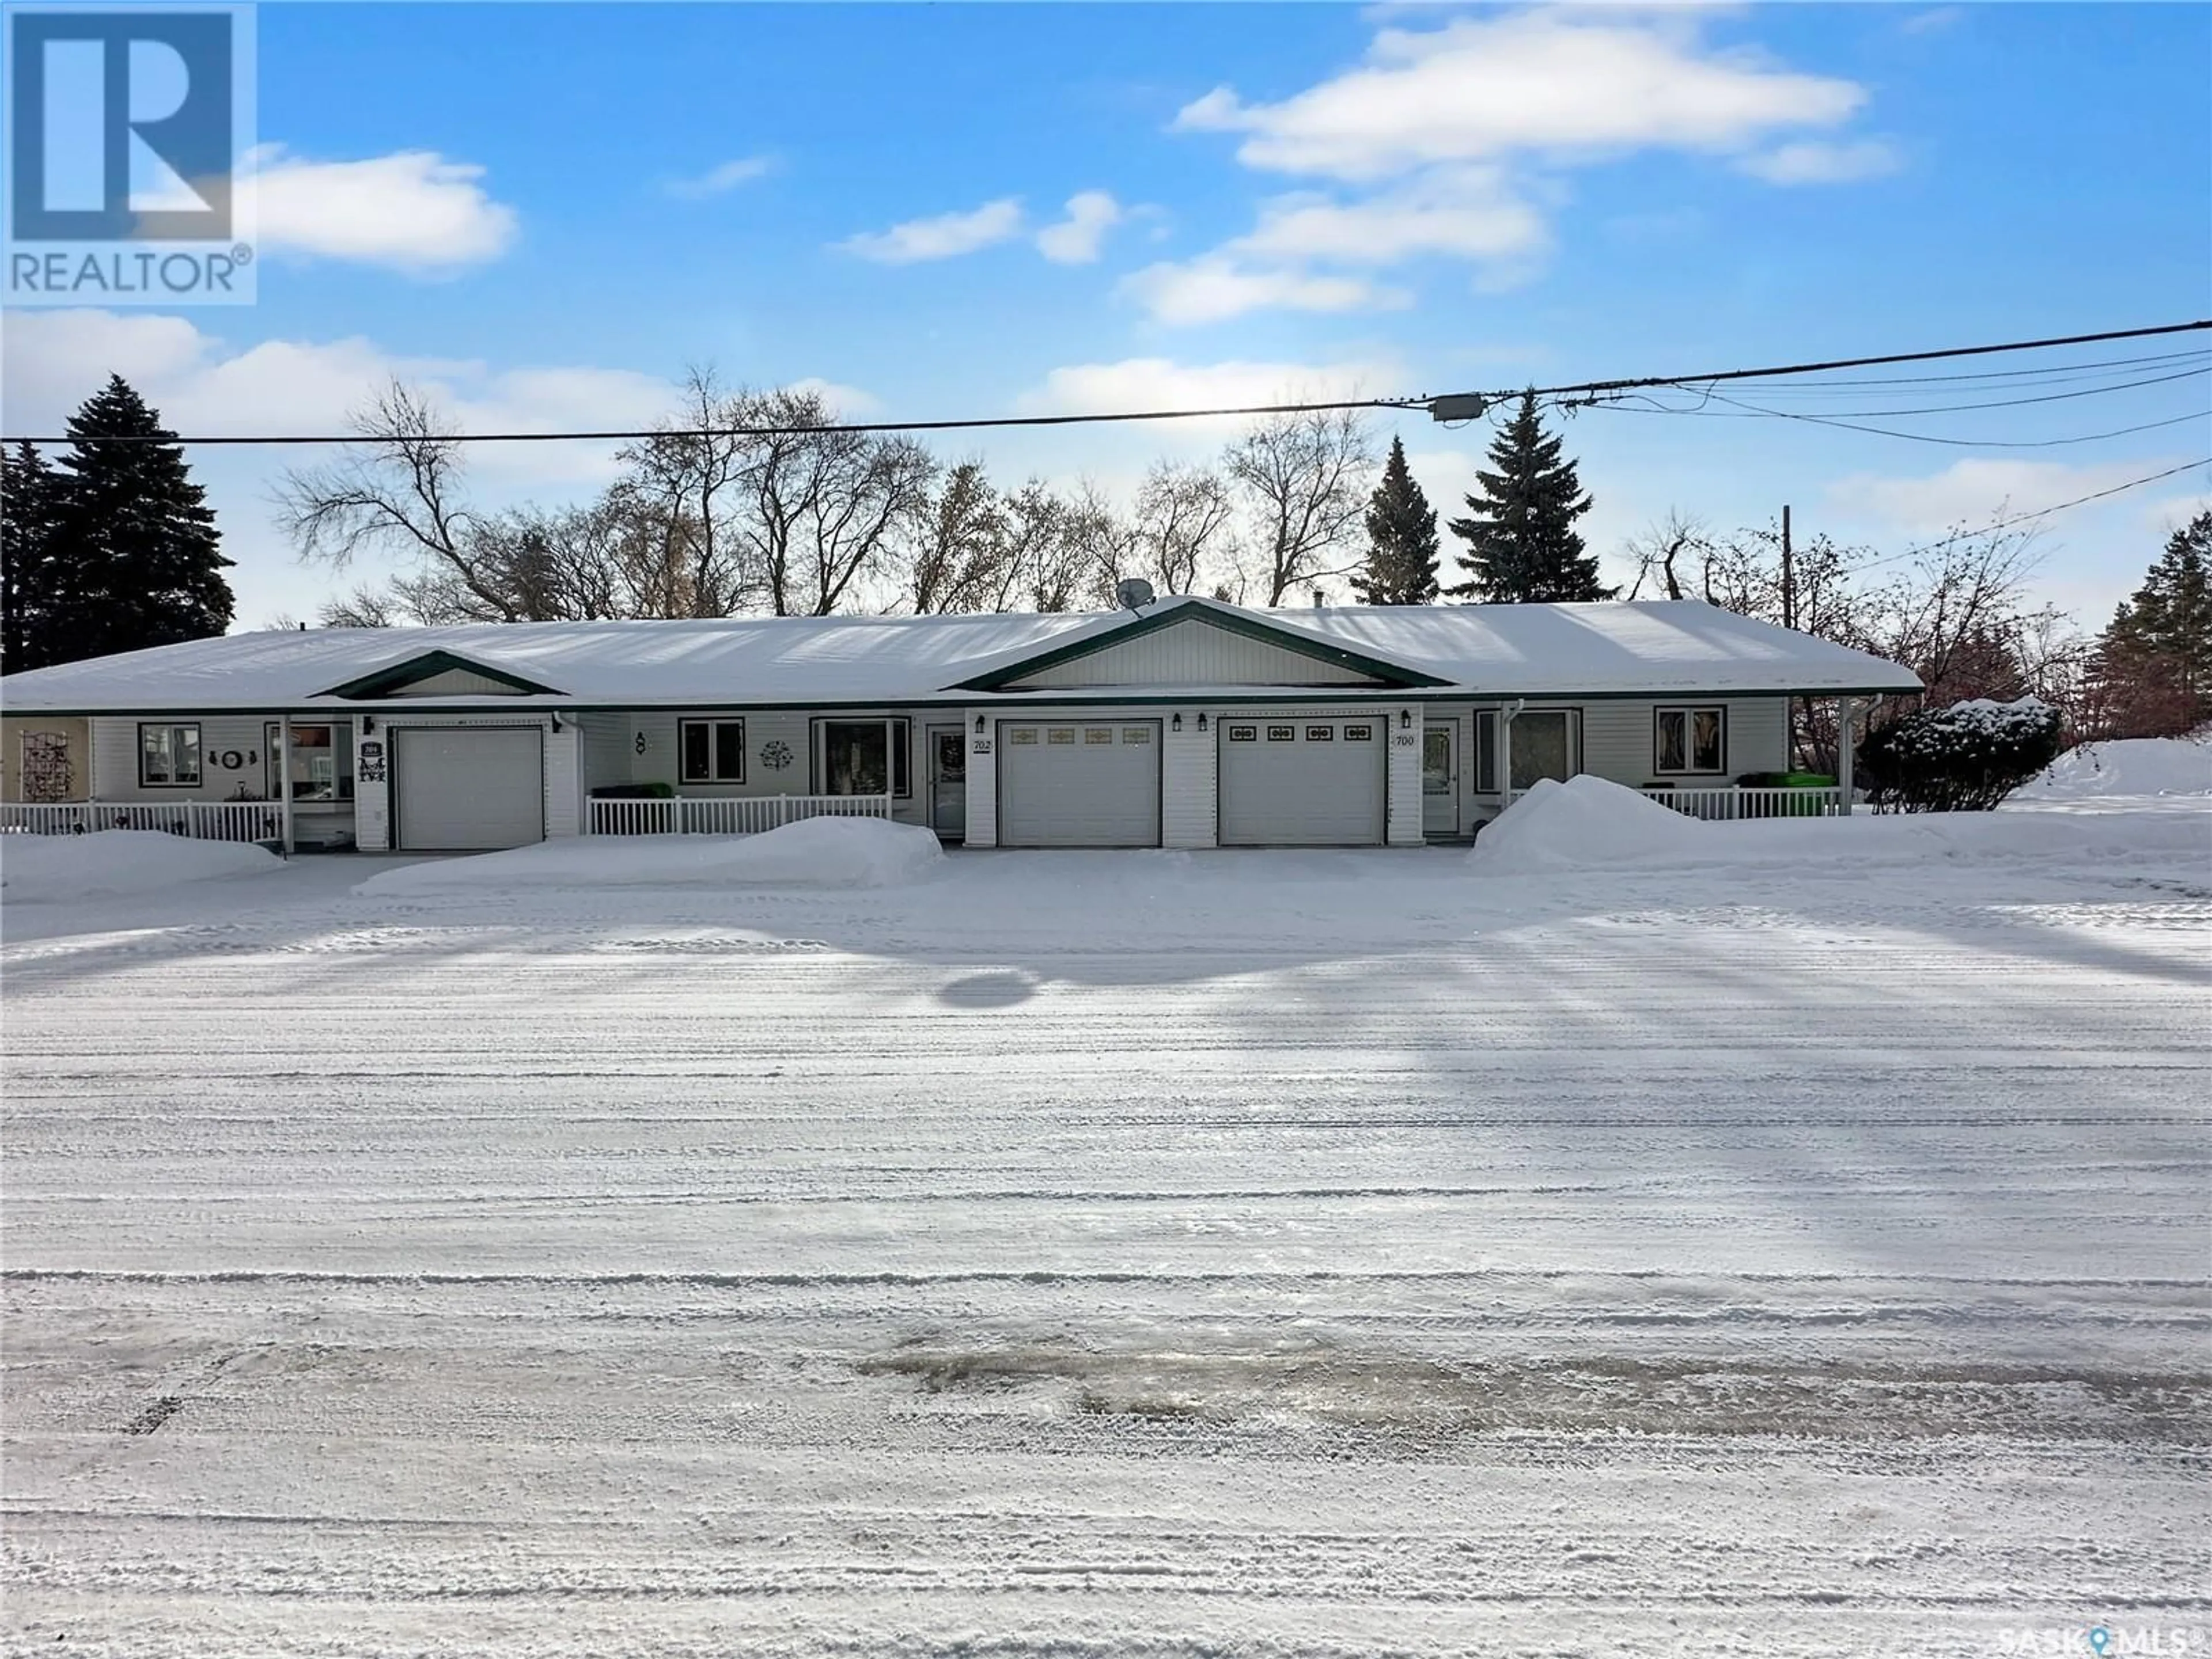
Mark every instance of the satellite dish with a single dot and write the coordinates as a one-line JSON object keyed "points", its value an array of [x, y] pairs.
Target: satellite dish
{"points": [[1133, 592]]}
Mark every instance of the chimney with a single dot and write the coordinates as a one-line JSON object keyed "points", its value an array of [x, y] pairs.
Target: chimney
{"points": [[1318, 600]]}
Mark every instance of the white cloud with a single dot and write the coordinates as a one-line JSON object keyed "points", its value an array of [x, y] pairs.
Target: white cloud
{"points": [[1076, 240], [1161, 383], [200, 384], [1815, 162], [1467, 212], [845, 402], [945, 237], [1531, 82], [413, 211], [716, 181], [1216, 287], [1977, 491]]}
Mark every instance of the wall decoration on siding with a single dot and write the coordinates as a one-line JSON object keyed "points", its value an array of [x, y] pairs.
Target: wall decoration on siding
{"points": [[643, 744], [47, 773], [776, 754]]}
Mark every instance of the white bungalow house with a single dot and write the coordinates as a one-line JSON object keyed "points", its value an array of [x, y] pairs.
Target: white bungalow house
{"points": [[1186, 723]]}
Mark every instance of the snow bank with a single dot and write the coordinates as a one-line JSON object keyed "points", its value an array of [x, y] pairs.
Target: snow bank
{"points": [[1588, 824], [2126, 766], [813, 852], [1583, 822], [45, 868]]}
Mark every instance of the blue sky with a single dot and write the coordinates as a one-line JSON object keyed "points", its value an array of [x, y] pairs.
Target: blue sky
{"points": [[545, 213]]}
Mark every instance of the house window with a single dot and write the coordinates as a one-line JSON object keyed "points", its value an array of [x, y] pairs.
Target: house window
{"points": [[864, 757], [1486, 751], [313, 761], [169, 757], [1689, 740], [1546, 743], [714, 750]]}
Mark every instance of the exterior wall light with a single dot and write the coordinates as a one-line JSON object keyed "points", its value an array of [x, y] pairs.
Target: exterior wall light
{"points": [[979, 726], [368, 724], [1176, 725], [1201, 721], [1404, 720]]}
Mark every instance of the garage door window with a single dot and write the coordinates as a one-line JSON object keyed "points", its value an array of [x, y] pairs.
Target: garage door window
{"points": [[169, 757], [864, 757], [1243, 734], [714, 750]]}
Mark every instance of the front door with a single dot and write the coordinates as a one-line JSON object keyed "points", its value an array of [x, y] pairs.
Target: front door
{"points": [[1440, 778], [948, 782]]}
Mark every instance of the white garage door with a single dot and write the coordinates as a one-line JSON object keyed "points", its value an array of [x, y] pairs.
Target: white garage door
{"points": [[1079, 783], [1302, 782], [467, 788]]}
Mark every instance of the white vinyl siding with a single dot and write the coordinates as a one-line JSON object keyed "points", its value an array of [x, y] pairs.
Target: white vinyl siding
{"points": [[115, 758], [1618, 736], [1079, 781], [1287, 781], [650, 743], [1189, 764], [1193, 654], [468, 789], [456, 683]]}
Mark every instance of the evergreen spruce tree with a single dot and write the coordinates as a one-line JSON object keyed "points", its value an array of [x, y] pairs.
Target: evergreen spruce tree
{"points": [[1402, 539], [30, 499], [2151, 674], [1522, 544], [137, 560]]}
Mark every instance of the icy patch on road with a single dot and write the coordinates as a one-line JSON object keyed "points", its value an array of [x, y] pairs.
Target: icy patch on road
{"points": [[2125, 766], [831, 853], [50, 868], [1588, 824]]}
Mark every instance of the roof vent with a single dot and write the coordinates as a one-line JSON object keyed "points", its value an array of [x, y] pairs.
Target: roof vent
{"points": [[1320, 598], [1133, 592]]}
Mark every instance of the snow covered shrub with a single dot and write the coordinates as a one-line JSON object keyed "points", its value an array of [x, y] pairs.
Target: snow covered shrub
{"points": [[1965, 758]]}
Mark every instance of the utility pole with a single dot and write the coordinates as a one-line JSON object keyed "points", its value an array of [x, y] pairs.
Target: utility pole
{"points": [[1789, 576]]}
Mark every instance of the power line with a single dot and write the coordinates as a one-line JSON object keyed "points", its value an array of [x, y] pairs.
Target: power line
{"points": [[1752, 412], [2041, 513], [1457, 406]]}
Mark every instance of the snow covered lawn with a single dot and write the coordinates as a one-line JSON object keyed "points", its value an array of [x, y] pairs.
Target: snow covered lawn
{"points": [[1149, 1254], [45, 869]]}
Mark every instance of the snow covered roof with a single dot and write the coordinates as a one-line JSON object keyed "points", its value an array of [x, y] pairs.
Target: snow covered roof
{"points": [[1662, 648]]}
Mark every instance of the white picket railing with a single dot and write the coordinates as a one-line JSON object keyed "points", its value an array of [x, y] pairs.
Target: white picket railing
{"points": [[202, 820], [1749, 802], [693, 815], [1735, 801]]}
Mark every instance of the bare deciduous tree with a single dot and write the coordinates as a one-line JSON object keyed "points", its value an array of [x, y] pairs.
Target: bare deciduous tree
{"points": [[398, 491], [1182, 527], [1304, 481]]}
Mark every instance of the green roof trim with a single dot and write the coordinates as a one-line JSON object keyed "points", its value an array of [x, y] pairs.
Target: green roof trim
{"points": [[1203, 613], [428, 665]]}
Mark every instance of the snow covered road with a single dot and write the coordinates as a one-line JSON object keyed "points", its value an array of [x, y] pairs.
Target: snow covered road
{"points": [[1117, 1255]]}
